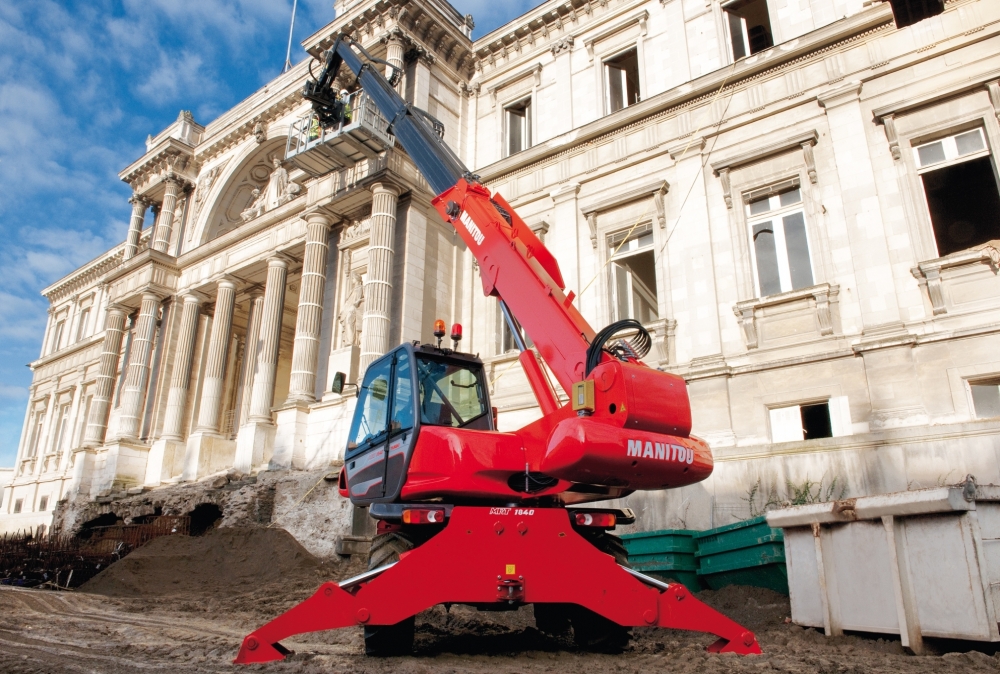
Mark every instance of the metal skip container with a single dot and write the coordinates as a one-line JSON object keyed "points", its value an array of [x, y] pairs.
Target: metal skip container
{"points": [[916, 563]]}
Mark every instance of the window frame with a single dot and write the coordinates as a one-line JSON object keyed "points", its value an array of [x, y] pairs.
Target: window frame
{"points": [[993, 381], [606, 79], [948, 136], [613, 256], [777, 215], [526, 103], [730, 14]]}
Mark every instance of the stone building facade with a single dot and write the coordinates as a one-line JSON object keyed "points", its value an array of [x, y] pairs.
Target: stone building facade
{"points": [[795, 196]]}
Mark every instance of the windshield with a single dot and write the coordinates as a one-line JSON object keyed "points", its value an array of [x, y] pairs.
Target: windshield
{"points": [[451, 393]]}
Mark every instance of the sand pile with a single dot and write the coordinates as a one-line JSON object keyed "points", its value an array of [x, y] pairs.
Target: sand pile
{"points": [[222, 561]]}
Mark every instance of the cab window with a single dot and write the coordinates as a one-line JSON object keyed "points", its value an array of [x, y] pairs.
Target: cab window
{"points": [[402, 400], [373, 406], [451, 393]]}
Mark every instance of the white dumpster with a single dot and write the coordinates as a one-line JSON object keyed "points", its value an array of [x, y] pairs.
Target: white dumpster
{"points": [[916, 563]]}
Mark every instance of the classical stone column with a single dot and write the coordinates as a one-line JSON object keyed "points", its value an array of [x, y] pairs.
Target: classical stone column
{"points": [[249, 358], [165, 223], [139, 206], [302, 387], [134, 391], [97, 423], [394, 48], [270, 334], [180, 378], [378, 286], [214, 379]]}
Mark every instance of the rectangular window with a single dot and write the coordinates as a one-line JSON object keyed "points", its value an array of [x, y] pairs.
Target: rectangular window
{"points": [[908, 12], [81, 422], [57, 336], [960, 185], [505, 338], [43, 504], [517, 120], [794, 423], [17, 505], [632, 282], [780, 247], [36, 434], [986, 398], [621, 74], [749, 27], [62, 432], [81, 329]]}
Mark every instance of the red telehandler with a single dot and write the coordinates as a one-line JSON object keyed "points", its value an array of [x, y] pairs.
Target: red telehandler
{"points": [[471, 515]]}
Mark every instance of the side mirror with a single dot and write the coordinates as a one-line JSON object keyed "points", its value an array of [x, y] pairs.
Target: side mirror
{"points": [[338, 383]]}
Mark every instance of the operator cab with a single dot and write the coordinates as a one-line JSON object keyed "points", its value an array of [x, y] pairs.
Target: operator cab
{"points": [[412, 386]]}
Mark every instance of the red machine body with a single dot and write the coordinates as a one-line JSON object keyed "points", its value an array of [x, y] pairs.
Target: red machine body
{"points": [[478, 516]]}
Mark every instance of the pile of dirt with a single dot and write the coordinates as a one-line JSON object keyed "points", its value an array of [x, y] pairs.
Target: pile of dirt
{"points": [[220, 562]]}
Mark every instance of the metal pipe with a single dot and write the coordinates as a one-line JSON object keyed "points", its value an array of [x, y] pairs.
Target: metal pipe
{"points": [[367, 575], [515, 327]]}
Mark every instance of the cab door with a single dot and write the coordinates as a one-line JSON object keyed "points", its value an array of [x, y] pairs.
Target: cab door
{"points": [[382, 432]]}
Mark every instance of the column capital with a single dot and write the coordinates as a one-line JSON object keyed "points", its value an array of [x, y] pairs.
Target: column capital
{"points": [[119, 309], [192, 296], [385, 186], [152, 295], [226, 281], [138, 200], [283, 260], [318, 216]]}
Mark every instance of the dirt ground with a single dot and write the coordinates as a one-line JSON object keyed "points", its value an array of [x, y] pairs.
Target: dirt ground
{"points": [[184, 604]]}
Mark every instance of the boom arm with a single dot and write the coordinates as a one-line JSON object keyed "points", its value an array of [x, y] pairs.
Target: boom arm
{"points": [[514, 264]]}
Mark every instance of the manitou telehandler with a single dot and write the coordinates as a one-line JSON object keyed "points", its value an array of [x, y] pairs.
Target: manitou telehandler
{"points": [[467, 514]]}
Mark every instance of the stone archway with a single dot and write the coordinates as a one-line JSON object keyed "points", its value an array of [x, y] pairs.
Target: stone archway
{"points": [[238, 197]]}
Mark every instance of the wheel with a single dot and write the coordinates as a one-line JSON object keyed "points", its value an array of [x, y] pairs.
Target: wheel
{"points": [[389, 640], [593, 632], [553, 619]]}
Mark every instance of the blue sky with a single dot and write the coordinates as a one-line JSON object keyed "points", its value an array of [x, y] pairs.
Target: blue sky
{"points": [[82, 83]]}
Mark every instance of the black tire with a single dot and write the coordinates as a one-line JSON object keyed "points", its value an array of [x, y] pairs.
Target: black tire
{"points": [[553, 619], [389, 640], [593, 632]]}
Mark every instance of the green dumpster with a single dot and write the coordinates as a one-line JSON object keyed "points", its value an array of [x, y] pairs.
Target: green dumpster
{"points": [[667, 554], [743, 553]]}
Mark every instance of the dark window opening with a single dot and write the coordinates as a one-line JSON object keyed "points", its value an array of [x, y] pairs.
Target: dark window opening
{"points": [[518, 121], [964, 204], [622, 74], [986, 398], [43, 504], [204, 517], [908, 12], [749, 27], [816, 421], [17, 505]]}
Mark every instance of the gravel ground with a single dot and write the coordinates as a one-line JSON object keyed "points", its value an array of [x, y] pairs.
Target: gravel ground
{"points": [[135, 618]]}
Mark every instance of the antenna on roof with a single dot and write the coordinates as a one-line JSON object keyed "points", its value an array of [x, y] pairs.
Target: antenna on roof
{"points": [[291, 29]]}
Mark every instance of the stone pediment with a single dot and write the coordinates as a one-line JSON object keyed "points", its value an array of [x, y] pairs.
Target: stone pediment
{"points": [[149, 271]]}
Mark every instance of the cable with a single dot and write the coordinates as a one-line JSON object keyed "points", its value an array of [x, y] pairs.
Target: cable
{"points": [[638, 347]]}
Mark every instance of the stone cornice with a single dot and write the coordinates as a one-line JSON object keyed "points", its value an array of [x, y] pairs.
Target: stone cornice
{"points": [[745, 73], [275, 100], [150, 271], [425, 25], [765, 151], [169, 155]]}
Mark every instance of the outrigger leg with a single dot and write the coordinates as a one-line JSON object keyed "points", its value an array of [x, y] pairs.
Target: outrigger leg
{"points": [[510, 555]]}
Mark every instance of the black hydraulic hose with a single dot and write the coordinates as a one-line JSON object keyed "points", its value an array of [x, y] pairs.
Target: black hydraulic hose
{"points": [[636, 348]]}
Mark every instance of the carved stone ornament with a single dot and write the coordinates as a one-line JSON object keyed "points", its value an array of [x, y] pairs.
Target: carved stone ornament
{"points": [[356, 230], [889, 124], [278, 192], [350, 318], [562, 45], [260, 131]]}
